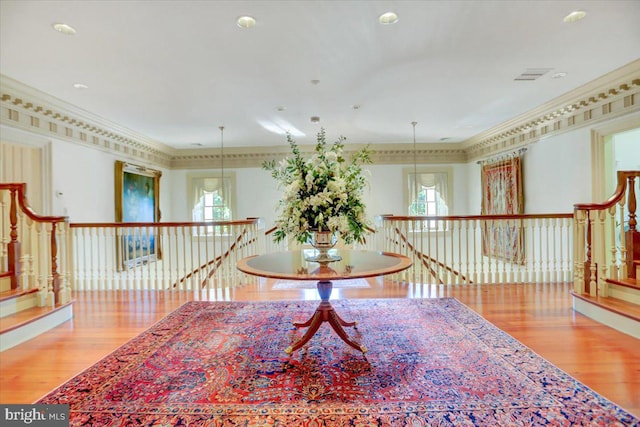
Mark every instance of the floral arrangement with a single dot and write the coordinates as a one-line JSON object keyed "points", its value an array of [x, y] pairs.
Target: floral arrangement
{"points": [[321, 193]]}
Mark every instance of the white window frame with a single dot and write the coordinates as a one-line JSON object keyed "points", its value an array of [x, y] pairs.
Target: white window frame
{"points": [[446, 180], [196, 190]]}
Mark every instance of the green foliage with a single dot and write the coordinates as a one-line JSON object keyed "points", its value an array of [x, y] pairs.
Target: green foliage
{"points": [[323, 192]]}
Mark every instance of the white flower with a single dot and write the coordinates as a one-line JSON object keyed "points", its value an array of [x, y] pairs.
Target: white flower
{"points": [[321, 192], [337, 186], [314, 161]]}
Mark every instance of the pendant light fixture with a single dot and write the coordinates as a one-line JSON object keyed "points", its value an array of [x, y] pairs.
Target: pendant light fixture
{"points": [[415, 166], [222, 161]]}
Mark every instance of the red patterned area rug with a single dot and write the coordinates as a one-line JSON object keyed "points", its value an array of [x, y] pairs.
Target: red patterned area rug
{"points": [[431, 362]]}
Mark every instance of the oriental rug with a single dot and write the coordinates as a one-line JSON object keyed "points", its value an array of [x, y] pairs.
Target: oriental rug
{"points": [[431, 362], [310, 284]]}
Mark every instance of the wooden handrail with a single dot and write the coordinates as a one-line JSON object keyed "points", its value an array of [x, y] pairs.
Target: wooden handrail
{"points": [[18, 198], [480, 217], [592, 244], [119, 257], [426, 259], [216, 262], [619, 192], [420, 255], [475, 249], [162, 224], [23, 203], [222, 257], [271, 231]]}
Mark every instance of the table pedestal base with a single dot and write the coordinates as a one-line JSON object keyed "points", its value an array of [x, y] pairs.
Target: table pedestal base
{"points": [[325, 313]]}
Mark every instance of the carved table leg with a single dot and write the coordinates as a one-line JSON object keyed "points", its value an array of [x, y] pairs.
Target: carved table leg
{"points": [[325, 313]]}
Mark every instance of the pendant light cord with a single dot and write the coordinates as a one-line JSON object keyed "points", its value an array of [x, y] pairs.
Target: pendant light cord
{"points": [[415, 166], [222, 161]]}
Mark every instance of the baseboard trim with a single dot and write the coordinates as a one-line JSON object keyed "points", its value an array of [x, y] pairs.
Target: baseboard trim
{"points": [[32, 329], [607, 317]]}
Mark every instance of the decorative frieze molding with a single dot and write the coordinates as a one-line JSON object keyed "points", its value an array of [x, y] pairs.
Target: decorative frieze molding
{"points": [[30, 110], [389, 154], [403, 154], [613, 95]]}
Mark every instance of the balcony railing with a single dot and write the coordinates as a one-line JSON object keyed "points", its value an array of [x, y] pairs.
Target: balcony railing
{"points": [[165, 255], [483, 248], [55, 257]]}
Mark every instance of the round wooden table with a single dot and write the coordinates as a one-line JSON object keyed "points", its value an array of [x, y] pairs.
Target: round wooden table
{"points": [[354, 264]]}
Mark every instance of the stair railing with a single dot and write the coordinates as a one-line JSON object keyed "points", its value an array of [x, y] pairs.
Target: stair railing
{"points": [[607, 239], [34, 248]]}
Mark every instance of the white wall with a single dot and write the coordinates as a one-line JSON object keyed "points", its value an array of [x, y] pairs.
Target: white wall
{"points": [[387, 189], [261, 194], [627, 150], [557, 171], [86, 177], [557, 174], [260, 190], [263, 191]]}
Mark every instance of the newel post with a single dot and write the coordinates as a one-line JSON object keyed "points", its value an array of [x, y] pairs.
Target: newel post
{"points": [[54, 264], [13, 248], [632, 236], [589, 275]]}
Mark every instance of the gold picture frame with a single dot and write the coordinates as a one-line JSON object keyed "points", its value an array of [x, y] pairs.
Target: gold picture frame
{"points": [[137, 200]]}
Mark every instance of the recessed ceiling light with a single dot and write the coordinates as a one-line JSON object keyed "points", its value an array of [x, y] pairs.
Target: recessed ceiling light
{"points": [[388, 18], [246, 21], [574, 16], [559, 75], [80, 86], [64, 29]]}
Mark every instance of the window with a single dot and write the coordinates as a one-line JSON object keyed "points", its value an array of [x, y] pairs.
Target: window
{"points": [[211, 207], [212, 199], [427, 194]]}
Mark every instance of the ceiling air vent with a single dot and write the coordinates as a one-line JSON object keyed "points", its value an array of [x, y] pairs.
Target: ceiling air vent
{"points": [[533, 74]]}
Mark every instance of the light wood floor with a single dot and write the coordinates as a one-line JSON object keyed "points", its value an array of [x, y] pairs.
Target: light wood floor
{"points": [[538, 315]]}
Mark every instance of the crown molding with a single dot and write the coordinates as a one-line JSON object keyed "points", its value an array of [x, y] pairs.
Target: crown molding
{"points": [[613, 95], [32, 110], [256, 156]]}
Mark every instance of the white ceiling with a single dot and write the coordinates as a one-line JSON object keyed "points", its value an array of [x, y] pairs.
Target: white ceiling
{"points": [[175, 71]]}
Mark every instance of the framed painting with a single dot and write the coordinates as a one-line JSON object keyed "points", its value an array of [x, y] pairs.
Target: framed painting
{"points": [[502, 194], [137, 192]]}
